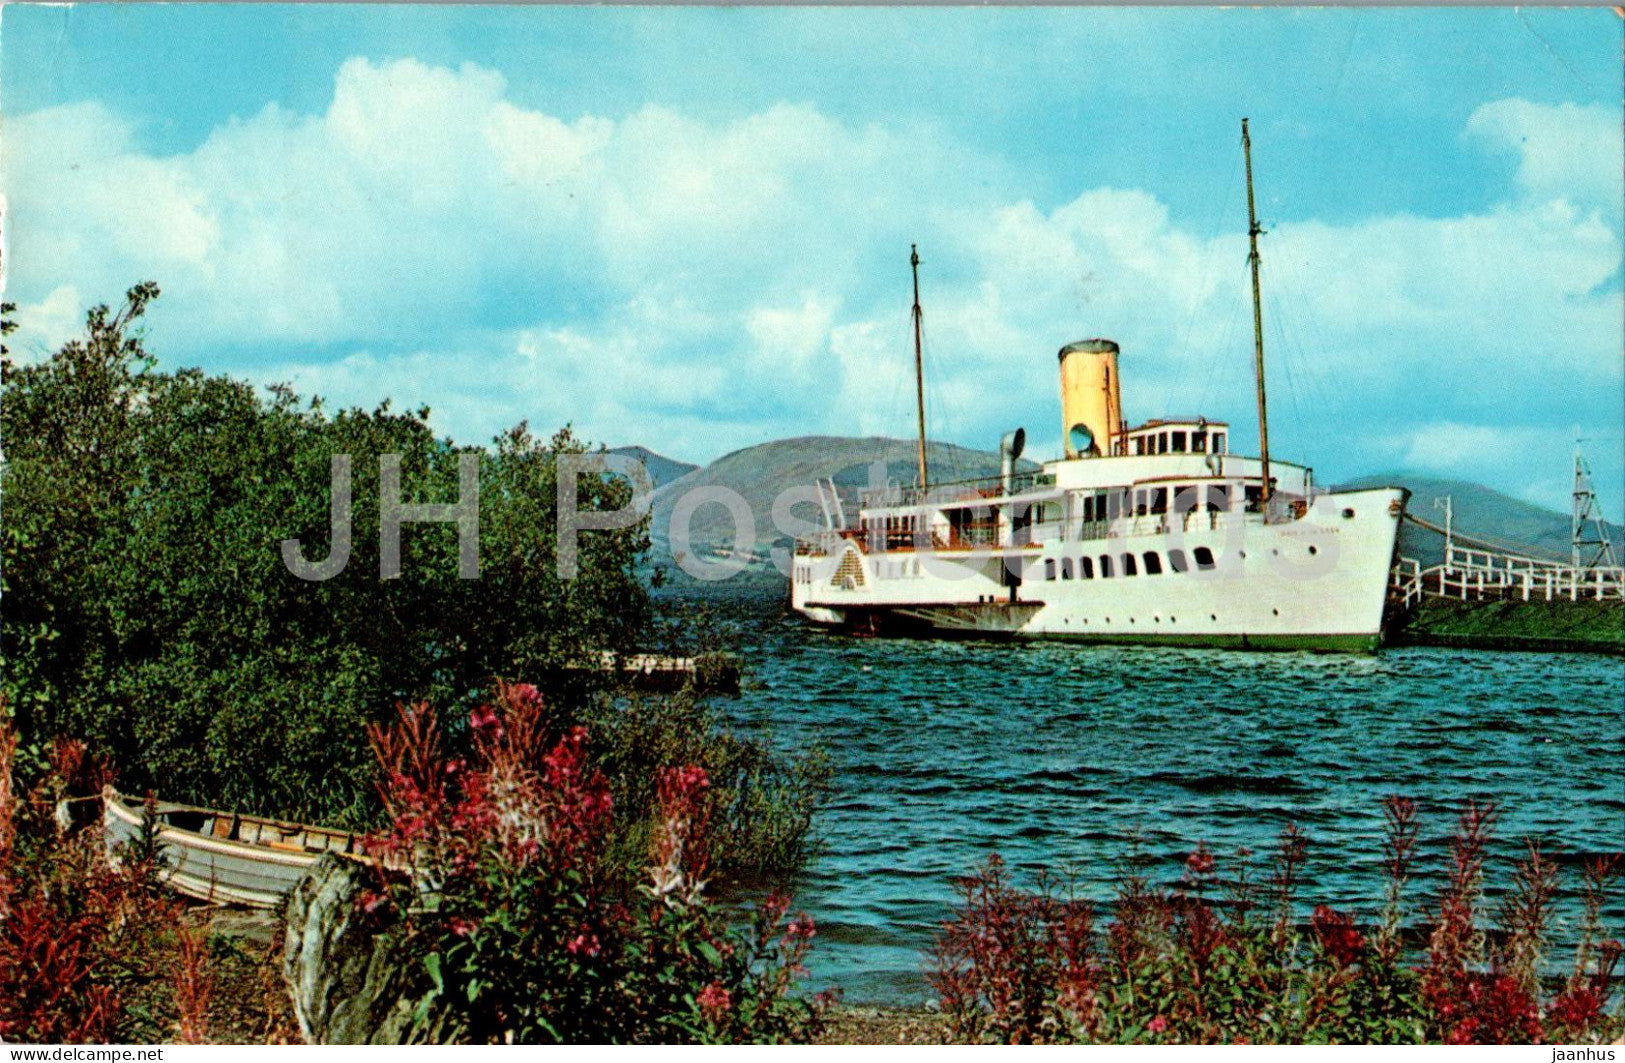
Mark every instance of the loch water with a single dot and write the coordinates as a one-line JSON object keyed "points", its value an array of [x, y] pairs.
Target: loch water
{"points": [[1076, 757]]}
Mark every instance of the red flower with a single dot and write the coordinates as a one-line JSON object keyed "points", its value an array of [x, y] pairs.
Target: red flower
{"points": [[584, 943], [461, 927], [1157, 1025], [714, 1001], [1338, 935], [1200, 862]]}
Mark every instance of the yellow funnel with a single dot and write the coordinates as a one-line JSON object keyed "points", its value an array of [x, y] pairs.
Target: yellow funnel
{"points": [[1091, 406]]}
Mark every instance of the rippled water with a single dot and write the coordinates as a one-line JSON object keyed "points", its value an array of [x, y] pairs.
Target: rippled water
{"points": [[1058, 754]]}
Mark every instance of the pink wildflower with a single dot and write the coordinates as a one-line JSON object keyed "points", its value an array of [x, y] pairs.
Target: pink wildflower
{"points": [[1157, 1025], [714, 1001]]}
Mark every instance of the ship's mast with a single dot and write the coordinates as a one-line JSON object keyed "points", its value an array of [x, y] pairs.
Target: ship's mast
{"points": [[919, 370], [1253, 232]]}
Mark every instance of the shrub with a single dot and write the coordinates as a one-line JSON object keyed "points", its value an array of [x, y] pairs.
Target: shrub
{"points": [[87, 945], [149, 611], [496, 870], [1211, 960]]}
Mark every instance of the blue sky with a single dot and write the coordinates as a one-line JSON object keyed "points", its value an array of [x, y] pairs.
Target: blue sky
{"points": [[689, 228]]}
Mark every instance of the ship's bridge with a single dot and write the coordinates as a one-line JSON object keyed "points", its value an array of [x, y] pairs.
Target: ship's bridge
{"points": [[1174, 435]]}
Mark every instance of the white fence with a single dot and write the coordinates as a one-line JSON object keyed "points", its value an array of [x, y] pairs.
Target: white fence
{"points": [[1479, 575]]}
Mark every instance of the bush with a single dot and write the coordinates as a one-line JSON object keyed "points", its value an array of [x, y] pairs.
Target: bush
{"points": [[149, 611], [90, 952], [496, 869], [1214, 960]]}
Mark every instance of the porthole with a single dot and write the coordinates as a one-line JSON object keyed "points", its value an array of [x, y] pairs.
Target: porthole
{"points": [[1213, 616], [1348, 514], [1313, 550], [1277, 612]]}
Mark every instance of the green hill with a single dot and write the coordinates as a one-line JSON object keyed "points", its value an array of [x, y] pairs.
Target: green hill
{"points": [[662, 470], [1482, 513], [760, 473]]}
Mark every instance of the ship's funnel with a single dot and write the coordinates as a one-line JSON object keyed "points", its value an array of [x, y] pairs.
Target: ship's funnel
{"points": [[1010, 448], [1091, 406]]}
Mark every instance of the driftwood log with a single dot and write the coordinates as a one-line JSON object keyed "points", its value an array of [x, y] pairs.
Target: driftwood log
{"points": [[352, 983]]}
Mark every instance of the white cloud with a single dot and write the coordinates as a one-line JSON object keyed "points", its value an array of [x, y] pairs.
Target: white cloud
{"points": [[701, 285], [44, 326], [1565, 151]]}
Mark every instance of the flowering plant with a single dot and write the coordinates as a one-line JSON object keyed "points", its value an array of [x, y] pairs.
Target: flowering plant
{"points": [[496, 871], [1179, 964]]}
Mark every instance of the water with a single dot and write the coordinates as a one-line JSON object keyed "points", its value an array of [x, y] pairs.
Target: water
{"points": [[1057, 755]]}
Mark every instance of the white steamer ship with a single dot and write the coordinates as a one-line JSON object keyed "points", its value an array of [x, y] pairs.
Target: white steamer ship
{"points": [[1154, 533]]}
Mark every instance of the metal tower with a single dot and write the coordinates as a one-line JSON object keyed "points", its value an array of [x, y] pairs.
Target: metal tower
{"points": [[1590, 546]]}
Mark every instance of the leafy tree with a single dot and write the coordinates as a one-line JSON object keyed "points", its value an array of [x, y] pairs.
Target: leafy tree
{"points": [[149, 611]]}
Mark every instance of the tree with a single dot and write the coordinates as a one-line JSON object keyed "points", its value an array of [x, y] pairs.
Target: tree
{"points": [[149, 611]]}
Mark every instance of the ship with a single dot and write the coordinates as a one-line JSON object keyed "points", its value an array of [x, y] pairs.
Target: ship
{"points": [[1139, 533]]}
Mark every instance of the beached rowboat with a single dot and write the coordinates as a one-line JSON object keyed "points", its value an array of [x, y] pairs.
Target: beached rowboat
{"points": [[226, 857]]}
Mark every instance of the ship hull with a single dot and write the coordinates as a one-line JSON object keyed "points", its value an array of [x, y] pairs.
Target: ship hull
{"points": [[1316, 582]]}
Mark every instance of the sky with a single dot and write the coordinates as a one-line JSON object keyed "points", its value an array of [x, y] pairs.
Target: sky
{"points": [[689, 228]]}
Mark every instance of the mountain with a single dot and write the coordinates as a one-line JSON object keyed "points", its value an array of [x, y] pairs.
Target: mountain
{"points": [[1481, 513], [760, 473], [662, 470]]}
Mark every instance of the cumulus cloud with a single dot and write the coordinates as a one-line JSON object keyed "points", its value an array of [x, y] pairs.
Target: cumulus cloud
{"points": [[1565, 151], [699, 285]]}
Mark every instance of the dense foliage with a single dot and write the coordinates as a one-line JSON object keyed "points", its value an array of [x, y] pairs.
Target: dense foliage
{"points": [[1217, 959], [149, 611], [495, 873]]}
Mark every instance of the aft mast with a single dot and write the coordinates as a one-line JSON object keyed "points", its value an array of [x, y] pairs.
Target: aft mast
{"points": [[919, 370], [1253, 232]]}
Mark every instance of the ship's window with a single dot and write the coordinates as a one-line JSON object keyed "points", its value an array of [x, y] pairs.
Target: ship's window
{"points": [[1140, 504], [1162, 442], [1153, 563], [1129, 568], [1086, 568], [1198, 442], [1105, 566], [1066, 568], [1218, 498], [1187, 498], [1204, 558], [1179, 442], [1139, 445], [1049, 569], [1177, 561], [1218, 443], [1159, 500]]}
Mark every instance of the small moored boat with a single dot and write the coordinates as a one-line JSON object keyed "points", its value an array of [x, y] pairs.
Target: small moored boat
{"points": [[226, 857]]}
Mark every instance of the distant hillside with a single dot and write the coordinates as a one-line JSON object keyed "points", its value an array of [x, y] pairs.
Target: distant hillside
{"points": [[1482, 513], [662, 470], [761, 472]]}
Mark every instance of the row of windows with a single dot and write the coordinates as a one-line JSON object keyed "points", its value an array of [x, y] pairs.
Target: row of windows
{"points": [[1126, 564], [1144, 501], [1178, 442]]}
